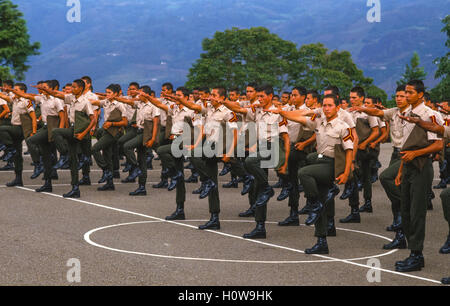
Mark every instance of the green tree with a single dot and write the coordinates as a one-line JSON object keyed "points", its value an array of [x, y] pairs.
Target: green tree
{"points": [[413, 71], [442, 90], [238, 56], [316, 67], [15, 46]]}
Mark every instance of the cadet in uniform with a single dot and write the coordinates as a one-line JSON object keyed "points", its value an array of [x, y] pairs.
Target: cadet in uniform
{"points": [[5, 119], [22, 117], [147, 125], [414, 176], [216, 117], [52, 112], [319, 177], [67, 140], [271, 131], [445, 195], [115, 119]]}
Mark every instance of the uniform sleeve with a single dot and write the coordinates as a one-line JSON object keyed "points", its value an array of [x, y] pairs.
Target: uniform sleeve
{"points": [[59, 105], [30, 107], [251, 113], [347, 137], [283, 125], [2, 102], [311, 123], [348, 119], [88, 109], [381, 123], [38, 100], [373, 121], [433, 118], [446, 133], [231, 120], [68, 99], [388, 115]]}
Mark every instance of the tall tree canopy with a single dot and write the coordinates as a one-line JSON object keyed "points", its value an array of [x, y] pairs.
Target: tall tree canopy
{"points": [[236, 57], [15, 46], [413, 71]]}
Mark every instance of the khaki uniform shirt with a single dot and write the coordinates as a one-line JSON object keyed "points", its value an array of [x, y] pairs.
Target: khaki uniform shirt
{"points": [[50, 106], [330, 134], [82, 104], [20, 106], [146, 111]]}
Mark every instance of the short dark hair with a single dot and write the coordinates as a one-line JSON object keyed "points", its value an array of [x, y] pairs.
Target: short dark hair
{"points": [[359, 91], [418, 85], [114, 88], [234, 89], [9, 83], [301, 90], [313, 93], [334, 90], [135, 84], [267, 89], [400, 88], [222, 91], [335, 98], [253, 85], [88, 80], [374, 99], [204, 89], [427, 96], [80, 83], [146, 89], [184, 90], [55, 84], [286, 93], [168, 85], [22, 86]]}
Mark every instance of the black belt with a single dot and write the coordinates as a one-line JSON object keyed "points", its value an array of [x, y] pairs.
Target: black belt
{"points": [[397, 150]]}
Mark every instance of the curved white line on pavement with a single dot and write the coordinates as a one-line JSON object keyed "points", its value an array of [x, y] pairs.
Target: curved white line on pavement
{"points": [[87, 238], [237, 237]]}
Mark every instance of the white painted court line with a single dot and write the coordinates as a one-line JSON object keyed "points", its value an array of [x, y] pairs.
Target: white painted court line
{"points": [[88, 239], [241, 238]]}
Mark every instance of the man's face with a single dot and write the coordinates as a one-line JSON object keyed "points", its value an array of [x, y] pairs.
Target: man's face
{"points": [[344, 104], [369, 103], [263, 98], [87, 85], [18, 89], [204, 95], [412, 96], [180, 95], [297, 99], [216, 96], [400, 99], [68, 90], [275, 99], [356, 100], [251, 93], [166, 91], [110, 95], [233, 96], [195, 95], [285, 98], [329, 108], [76, 89], [132, 91], [310, 101]]}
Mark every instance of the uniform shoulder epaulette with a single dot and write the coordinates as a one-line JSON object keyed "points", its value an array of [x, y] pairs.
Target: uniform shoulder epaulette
{"points": [[235, 118], [313, 117], [284, 122]]}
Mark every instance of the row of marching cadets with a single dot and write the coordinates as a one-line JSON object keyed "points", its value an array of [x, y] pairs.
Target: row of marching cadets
{"points": [[313, 144]]}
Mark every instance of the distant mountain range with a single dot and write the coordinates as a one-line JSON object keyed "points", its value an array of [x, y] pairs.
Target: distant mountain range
{"points": [[156, 41]]}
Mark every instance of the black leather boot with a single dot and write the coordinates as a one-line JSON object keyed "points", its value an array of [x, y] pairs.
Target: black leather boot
{"points": [[415, 262], [85, 181], [175, 180], [213, 223], [258, 233], [16, 182], [445, 249], [141, 191], [62, 162], [445, 281], [249, 212], [178, 214], [306, 209], [279, 184], [200, 189], [265, 196], [103, 178], [354, 216], [284, 194], [399, 242], [348, 191], [232, 184], [74, 193], [208, 187], [9, 166], [321, 247], [38, 169], [316, 210], [193, 178], [292, 220], [396, 224], [109, 186], [226, 169], [331, 228], [47, 187], [248, 181], [367, 207]]}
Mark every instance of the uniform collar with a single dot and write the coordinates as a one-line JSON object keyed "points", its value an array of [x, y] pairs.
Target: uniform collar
{"points": [[332, 122]]}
